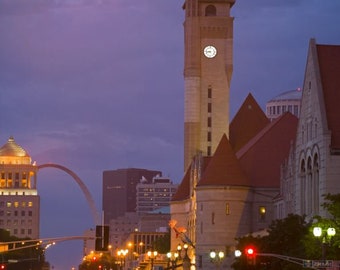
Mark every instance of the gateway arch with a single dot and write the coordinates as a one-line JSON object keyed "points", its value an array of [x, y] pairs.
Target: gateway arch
{"points": [[81, 184]]}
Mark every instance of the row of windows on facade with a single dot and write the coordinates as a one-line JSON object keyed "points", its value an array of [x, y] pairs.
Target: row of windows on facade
{"points": [[261, 212], [15, 222], [140, 194], [161, 190], [15, 213], [9, 183], [22, 231], [280, 109], [15, 204], [9, 175], [152, 204], [148, 199]]}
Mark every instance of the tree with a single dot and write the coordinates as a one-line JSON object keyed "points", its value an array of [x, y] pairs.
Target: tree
{"points": [[28, 258], [285, 237]]}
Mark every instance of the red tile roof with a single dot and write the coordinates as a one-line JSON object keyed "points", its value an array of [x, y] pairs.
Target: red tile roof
{"points": [[183, 190], [248, 121], [329, 65], [224, 168], [263, 155]]}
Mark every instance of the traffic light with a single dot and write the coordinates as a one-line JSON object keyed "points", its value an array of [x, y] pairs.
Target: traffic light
{"points": [[2, 266], [102, 238], [251, 254]]}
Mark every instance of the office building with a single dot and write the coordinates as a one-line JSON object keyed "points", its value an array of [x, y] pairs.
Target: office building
{"points": [[154, 195], [19, 200], [119, 190]]}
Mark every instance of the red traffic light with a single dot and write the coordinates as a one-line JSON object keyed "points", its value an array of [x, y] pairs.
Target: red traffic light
{"points": [[250, 251], [2, 266]]}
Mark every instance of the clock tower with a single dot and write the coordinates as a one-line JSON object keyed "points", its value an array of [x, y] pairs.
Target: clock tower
{"points": [[208, 66]]}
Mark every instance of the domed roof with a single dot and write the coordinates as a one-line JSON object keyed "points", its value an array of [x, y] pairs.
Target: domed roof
{"points": [[289, 95], [12, 149]]}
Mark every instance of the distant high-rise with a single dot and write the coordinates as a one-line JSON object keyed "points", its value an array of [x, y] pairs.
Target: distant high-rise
{"points": [[19, 200], [119, 190], [154, 195]]}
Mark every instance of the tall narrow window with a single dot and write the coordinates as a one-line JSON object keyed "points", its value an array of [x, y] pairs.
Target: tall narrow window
{"points": [[209, 107], [213, 218], [209, 121], [209, 136], [209, 150], [209, 92]]}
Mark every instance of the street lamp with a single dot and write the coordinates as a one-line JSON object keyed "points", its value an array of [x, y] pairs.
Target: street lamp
{"points": [[152, 255], [121, 254], [216, 257], [172, 259], [326, 237]]}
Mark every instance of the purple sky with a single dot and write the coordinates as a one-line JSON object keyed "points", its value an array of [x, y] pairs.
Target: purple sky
{"points": [[96, 85]]}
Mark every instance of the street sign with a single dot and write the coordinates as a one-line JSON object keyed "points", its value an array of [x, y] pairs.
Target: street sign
{"points": [[317, 263], [322, 263], [307, 263]]}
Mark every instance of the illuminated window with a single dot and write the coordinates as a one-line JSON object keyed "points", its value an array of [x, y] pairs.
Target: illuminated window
{"points": [[262, 213], [30, 204], [23, 204], [227, 209], [16, 204], [9, 204]]}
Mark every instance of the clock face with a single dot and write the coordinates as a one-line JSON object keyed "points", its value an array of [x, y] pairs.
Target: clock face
{"points": [[210, 51]]}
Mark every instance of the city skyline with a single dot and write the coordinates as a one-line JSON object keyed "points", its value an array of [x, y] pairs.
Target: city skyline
{"points": [[73, 93]]}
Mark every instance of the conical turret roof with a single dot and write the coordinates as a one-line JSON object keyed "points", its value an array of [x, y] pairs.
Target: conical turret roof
{"points": [[224, 168]]}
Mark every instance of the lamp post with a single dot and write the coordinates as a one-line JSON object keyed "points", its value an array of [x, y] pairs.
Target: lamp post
{"points": [[152, 255], [121, 254], [216, 257], [325, 236], [172, 259]]}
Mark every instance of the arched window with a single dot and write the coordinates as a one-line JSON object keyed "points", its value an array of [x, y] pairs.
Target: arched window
{"points": [[316, 184], [303, 186], [210, 10], [309, 187]]}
